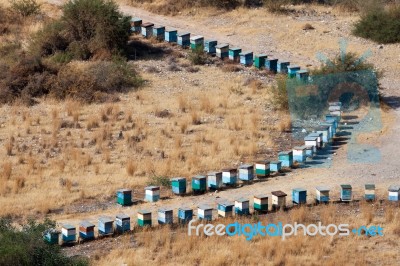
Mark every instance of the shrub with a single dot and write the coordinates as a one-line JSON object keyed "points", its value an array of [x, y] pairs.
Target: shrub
{"points": [[380, 25], [198, 56], [279, 96], [26, 7]]}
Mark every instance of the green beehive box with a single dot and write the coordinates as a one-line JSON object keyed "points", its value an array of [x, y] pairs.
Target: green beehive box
{"points": [[259, 60]]}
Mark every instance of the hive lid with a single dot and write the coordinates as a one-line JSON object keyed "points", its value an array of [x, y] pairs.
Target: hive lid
{"points": [[147, 24], [346, 186], [197, 37], [370, 186], [68, 226], [205, 207], [246, 166], [211, 41], [171, 30], [308, 138], [241, 200], [86, 224], [322, 128], [226, 203], [124, 190], [144, 212], [279, 193], [299, 148], [235, 48], [302, 71], [222, 45], [122, 216], [199, 177], [184, 34], [293, 66], [285, 153], [159, 27], [283, 61], [262, 55], [263, 162], [276, 162], [246, 53], [185, 208], [229, 169], [152, 188], [178, 179], [136, 19], [394, 188], [322, 188], [261, 196], [214, 173], [299, 189], [315, 134], [165, 209], [105, 219]]}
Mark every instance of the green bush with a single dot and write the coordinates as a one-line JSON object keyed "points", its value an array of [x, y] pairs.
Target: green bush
{"points": [[26, 246], [380, 25], [279, 96], [26, 7], [198, 56]]}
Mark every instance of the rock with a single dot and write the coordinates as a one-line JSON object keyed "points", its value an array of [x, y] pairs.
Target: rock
{"points": [[304, 130], [380, 46]]}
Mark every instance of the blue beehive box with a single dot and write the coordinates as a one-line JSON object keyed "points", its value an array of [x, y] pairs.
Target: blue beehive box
{"points": [[271, 64], [214, 180], [136, 24], [122, 223], [259, 60], [124, 197], [394, 193], [234, 54], [184, 39], [159, 32], [68, 233], [369, 192], [106, 226], [246, 172], [311, 141], [86, 230], [51, 236], [299, 196], [292, 70], [152, 193], [246, 58], [225, 209], [171, 36], [209, 46], [282, 66], [242, 206], [275, 166], [331, 129], [199, 184], [185, 215], [204, 212], [309, 151], [302, 75], [262, 168], [260, 203], [324, 130], [286, 157], [319, 137], [196, 42], [322, 194], [229, 176], [299, 154], [346, 192], [178, 185], [331, 117], [147, 29], [222, 50], [165, 216]]}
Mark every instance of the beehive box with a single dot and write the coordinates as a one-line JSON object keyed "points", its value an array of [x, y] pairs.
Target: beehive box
{"points": [[394, 193], [136, 25], [184, 39], [210, 46], [319, 137], [52, 236], [346, 192], [309, 151], [165, 216], [292, 70], [144, 218], [214, 180], [225, 209], [260, 203], [334, 126], [159, 32], [246, 58], [68, 233], [234, 54], [271, 64], [322, 194], [197, 42], [171, 36], [299, 154], [331, 126], [106, 226], [311, 141], [124, 197], [242, 206], [86, 230], [199, 184], [299, 196], [275, 166], [330, 117], [246, 172], [185, 214], [229, 176], [178, 185], [204, 212], [282, 66], [122, 223], [324, 130], [262, 168], [286, 157], [369, 193], [152, 193], [259, 60], [222, 50], [278, 200], [147, 29], [302, 75]]}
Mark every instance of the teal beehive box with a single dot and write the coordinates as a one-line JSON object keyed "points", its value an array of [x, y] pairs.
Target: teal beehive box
{"points": [[196, 42], [282, 66], [242, 206], [271, 64], [299, 196], [178, 185], [369, 194], [275, 166], [159, 32], [144, 218], [199, 184], [322, 194], [246, 58], [210, 46], [292, 70], [171, 36], [286, 158], [262, 168], [259, 60], [124, 197], [52, 236], [225, 209], [346, 192], [260, 203], [234, 54]]}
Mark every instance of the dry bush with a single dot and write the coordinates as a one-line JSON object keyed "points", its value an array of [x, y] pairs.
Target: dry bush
{"points": [[9, 147], [92, 122], [19, 183], [7, 170], [285, 124], [231, 67], [183, 103], [131, 167], [183, 126], [196, 120], [206, 105]]}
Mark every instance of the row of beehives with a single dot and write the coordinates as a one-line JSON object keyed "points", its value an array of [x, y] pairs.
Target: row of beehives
{"points": [[241, 206], [229, 177], [222, 51]]}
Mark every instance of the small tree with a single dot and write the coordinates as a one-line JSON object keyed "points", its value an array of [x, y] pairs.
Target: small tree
{"points": [[26, 7]]}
